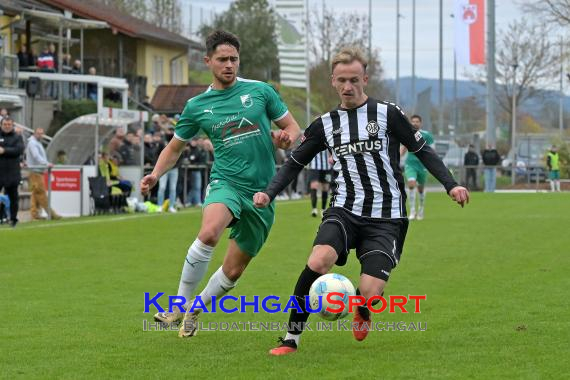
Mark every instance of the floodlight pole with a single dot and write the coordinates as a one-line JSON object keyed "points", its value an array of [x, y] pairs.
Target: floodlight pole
{"points": [[397, 51], [441, 129], [561, 105], [514, 124], [414, 55], [490, 100]]}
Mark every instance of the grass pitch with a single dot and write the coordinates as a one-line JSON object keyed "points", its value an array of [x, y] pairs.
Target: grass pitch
{"points": [[495, 275]]}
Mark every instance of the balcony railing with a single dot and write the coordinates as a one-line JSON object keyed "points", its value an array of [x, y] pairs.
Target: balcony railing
{"points": [[9, 71]]}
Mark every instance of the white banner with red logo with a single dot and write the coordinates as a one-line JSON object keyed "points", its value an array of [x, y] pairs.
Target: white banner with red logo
{"points": [[64, 180], [470, 32]]}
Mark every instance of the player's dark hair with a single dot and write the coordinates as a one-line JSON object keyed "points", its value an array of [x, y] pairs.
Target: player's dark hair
{"points": [[416, 117], [220, 37]]}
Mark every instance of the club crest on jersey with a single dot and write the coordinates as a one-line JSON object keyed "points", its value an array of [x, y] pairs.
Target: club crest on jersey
{"points": [[418, 135], [372, 127], [246, 100]]}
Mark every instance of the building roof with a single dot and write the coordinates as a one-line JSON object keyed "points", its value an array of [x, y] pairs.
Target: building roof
{"points": [[123, 23], [171, 99], [14, 7]]}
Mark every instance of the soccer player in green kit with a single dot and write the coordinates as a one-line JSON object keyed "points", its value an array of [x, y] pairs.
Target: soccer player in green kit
{"points": [[236, 115], [416, 172]]}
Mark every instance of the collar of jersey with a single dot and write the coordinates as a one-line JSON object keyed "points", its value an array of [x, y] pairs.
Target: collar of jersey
{"points": [[211, 88], [355, 108]]}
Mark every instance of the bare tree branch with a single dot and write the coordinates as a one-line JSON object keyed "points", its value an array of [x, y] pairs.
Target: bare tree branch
{"points": [[537, 61], [557, 11]]}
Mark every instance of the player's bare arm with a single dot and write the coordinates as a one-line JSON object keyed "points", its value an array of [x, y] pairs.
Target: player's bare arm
{"points": [[288, 133]]}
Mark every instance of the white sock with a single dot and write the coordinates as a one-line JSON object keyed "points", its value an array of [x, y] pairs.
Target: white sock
{"points": [[194, 269], [218, 285], [552, 186], [557, 183], [294, 337], [422, 199], [413, 201]]}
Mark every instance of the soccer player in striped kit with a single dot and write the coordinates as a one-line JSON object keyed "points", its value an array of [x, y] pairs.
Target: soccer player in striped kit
{"points": [[367, 211]]}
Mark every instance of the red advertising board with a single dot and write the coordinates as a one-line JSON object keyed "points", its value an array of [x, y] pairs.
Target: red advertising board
{"points": [[64, 180]]}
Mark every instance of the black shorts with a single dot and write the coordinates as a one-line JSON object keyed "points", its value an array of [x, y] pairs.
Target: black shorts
{"points": [[378, 242], [322, 176]]}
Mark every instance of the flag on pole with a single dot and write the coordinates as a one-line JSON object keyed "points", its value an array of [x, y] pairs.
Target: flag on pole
{"points": [[291, 34], [470, 32]]}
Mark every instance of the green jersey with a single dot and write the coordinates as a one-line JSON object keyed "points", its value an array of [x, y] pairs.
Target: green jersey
{"points": [[411, 159], [238, 122]]}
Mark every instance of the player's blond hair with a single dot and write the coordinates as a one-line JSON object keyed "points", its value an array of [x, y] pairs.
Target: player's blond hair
{"points": [[348, 55]]}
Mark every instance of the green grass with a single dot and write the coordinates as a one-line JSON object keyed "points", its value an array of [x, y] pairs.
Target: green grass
{"points": [[495, 275]]}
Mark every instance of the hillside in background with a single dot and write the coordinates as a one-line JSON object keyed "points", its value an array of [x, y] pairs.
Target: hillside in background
{"points": [[466, 89]]}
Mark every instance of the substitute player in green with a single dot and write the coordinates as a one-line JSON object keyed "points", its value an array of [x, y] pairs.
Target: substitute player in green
{"points": [[416, 172], [553, 165], [236, 115]]}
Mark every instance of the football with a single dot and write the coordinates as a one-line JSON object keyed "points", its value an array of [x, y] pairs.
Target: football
{"points": [[331, 283]]}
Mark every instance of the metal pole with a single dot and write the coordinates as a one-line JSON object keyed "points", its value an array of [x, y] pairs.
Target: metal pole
{"points": [[490, 131], [397, 51], [440, 118], [81, 191], [514, 125], [141, 126], [96, 151], [455, 105], [307, 71], [561, 105], [121, 58], [414, 55], [185, 191], [190, 22], [60, 67], [369, 29], [49, 194], [81, 49]]}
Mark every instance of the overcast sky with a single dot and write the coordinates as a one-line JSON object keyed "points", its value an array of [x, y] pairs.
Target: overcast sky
{"points": [[384, 29]]}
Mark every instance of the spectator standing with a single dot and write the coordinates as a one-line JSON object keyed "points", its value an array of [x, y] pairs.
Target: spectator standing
{"points": [[553, 164], [196, 156], [491, 159], [36, 160], [92, 87], [170, 178], [25, 59], [11, 149], [471, 161]]}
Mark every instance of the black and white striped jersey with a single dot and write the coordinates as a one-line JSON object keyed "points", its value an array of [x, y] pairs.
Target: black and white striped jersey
{"points": [[321, 161], [365, 145]]}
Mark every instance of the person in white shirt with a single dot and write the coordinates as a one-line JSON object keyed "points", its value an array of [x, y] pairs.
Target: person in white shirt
{"points": [[36, 160]]}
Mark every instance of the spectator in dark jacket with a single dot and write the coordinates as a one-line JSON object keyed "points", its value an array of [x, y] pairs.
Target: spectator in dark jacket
{"points": [[491, 159], [11, 149], [25, 59], [471, 160], [196, 156]]}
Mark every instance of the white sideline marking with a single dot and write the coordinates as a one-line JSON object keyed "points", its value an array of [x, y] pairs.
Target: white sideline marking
{"points": [[53, 224]]}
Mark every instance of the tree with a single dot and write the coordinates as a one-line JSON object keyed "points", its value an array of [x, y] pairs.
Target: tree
{"points": [[523, 50], [557, 11], [162, 13], [165, 14], [528, 124], [330, 31], [253, 21]]}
